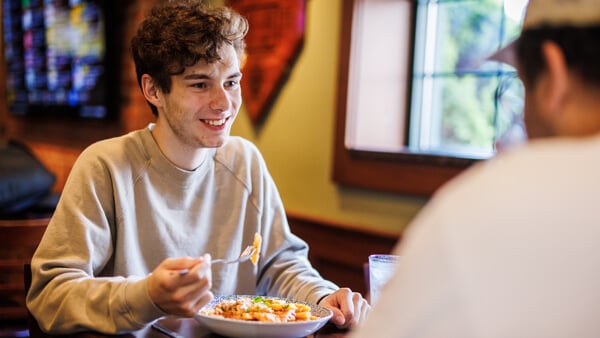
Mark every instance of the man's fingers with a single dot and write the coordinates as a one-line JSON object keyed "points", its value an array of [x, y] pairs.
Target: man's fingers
{"points": [[180, 263]]}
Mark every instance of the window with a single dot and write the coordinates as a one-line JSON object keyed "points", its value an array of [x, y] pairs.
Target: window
{"points": [[417, 103]]}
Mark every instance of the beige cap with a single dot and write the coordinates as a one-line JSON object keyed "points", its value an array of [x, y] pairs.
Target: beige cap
{"points": [[553, 13]]}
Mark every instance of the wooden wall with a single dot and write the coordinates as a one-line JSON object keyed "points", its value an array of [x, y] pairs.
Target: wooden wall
{"points": [[340, 251]]}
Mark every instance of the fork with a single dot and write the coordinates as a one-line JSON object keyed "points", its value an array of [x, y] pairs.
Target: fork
{"points": [[244, 256]]}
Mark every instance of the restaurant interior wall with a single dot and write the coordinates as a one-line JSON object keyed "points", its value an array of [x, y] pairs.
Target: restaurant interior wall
{"points": [[296, 139]]}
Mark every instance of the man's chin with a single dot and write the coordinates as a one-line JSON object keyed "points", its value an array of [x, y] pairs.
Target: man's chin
{"points": [[215, 143]]}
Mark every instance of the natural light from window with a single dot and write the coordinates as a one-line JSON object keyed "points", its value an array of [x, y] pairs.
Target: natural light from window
{"points": [[438, 96]]}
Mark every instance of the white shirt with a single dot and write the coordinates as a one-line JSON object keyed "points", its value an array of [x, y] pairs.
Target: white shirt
{"points": [[511, 248]]}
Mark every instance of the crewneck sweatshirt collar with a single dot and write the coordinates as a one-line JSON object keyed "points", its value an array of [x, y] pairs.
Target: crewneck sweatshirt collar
{"points": [[157, 161]]}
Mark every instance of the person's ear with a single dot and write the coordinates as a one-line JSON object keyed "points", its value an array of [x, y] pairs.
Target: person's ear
{"points": [[555, 81], [150, 90]]}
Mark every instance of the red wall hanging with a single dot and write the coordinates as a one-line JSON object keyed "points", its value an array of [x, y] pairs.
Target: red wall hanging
{"points": [[273, 43]]}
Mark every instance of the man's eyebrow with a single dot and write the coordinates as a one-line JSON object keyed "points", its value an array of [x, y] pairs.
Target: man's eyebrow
{"points": [[196, 77], [207, 77]]}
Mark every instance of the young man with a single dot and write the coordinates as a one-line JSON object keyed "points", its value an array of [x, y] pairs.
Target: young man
{"points": [[139, 209], [510, 248]]}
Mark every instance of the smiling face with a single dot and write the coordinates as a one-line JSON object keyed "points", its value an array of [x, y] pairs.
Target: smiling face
{"points": [[203, 102]]}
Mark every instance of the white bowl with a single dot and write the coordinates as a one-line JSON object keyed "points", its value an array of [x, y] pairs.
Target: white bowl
{"points": [[252, 329]]}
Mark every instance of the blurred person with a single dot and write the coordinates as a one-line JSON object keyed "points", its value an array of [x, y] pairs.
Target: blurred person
{"points": [[510, 247], [138, 209]]}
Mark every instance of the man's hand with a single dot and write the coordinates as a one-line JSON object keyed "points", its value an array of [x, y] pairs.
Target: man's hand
{"points": [[349, 308], [181, 294]]}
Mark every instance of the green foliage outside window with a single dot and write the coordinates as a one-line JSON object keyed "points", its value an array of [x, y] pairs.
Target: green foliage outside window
{"points": [[467, 31]]}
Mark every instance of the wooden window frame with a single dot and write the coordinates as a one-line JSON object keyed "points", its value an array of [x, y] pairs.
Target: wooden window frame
{"points": [[406, 173]]}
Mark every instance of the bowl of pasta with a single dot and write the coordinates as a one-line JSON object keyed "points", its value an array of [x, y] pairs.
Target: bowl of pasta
{"points": [[245, 316]]}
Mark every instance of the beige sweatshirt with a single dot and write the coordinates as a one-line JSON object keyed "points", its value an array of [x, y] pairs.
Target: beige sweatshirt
{"points": [[125, 208]]}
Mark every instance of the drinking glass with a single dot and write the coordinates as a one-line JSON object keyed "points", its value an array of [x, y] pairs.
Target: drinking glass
{"points": [[381, 268]]}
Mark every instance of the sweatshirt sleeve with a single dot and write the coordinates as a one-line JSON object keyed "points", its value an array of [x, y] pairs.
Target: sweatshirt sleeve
{"points": [[72, 289]]}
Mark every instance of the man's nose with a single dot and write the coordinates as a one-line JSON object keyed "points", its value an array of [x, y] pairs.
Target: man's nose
{"points": [[219, 100]]}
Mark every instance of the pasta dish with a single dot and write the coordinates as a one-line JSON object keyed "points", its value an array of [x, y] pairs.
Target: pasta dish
{"points": [[261, 309]]}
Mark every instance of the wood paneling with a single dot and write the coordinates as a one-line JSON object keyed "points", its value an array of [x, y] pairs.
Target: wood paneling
{"points": [[18, 240], [340, 251]]}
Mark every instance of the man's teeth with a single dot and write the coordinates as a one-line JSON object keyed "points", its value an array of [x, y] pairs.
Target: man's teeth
{"points": [[215, 123]]}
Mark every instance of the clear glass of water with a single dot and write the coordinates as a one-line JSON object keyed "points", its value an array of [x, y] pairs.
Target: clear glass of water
{"points": [[381, 268]]}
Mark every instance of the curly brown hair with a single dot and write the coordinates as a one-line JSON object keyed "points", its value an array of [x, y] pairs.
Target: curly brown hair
{"points": [[179, 33]]}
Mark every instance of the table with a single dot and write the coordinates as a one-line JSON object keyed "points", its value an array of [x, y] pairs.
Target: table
{"points": [[189, 328]]}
